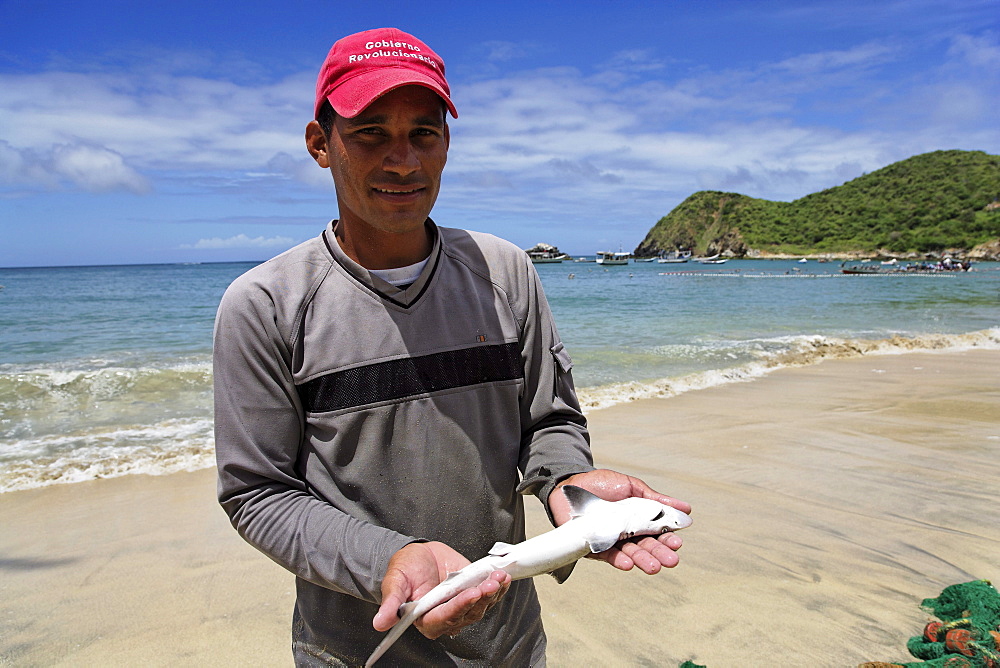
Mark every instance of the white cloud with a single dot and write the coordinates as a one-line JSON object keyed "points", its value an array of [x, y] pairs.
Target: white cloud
{"points": [[502, 51], [91, 168], [977, 50], [627, 140], [824, 62], [557, 142], [23, 167], [240, 241], [154, 122], [97, 169]]}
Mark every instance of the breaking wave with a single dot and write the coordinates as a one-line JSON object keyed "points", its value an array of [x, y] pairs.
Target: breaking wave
{"points": [[792, 352], [167, 447], [63, 425], [60, 425]]}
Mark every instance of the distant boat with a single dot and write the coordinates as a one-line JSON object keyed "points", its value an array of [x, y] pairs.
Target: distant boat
{"points": [[545, 257], [947, 265], [674, 257], [583, 259], [542, 253], [644, 259], [715, 259], [803, 261], [611, 257], [862, 269]]}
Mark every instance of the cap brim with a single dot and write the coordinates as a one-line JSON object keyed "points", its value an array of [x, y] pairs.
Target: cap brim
{"points": [[354, 95]]}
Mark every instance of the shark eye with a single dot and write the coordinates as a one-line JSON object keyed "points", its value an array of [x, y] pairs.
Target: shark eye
{"points": [[659, 515]]}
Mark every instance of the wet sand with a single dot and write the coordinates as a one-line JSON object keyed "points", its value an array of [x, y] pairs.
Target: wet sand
{"points": [[829, 501]]}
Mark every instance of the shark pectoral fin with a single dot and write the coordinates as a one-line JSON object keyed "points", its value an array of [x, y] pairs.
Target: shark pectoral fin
{"points": [[599, 543], [500, 549], [562, 573]]}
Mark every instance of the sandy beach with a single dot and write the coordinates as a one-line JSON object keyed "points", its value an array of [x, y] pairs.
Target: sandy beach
{"points": [[829, 501]]}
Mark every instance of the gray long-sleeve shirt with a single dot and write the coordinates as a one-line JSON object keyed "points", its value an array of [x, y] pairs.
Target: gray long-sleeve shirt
{"points": [[353, 417]]}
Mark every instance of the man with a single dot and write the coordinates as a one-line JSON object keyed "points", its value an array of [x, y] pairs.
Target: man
{"points": [[385, 390]]}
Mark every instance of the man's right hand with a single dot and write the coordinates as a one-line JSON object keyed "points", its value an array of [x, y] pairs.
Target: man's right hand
{"points": [[419, 567]]}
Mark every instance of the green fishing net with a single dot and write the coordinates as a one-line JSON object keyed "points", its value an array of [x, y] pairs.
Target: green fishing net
{"points": [[967, 635]]}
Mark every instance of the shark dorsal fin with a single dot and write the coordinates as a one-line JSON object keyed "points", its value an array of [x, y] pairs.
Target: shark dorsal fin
{"points": [[451, 576], [579, 499]]}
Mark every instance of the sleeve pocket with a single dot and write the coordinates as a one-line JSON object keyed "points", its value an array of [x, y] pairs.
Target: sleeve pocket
{"points": [[563, 360]]}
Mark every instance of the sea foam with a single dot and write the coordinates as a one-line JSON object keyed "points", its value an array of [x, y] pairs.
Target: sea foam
{"points": [[782, 352], [65, 425]]}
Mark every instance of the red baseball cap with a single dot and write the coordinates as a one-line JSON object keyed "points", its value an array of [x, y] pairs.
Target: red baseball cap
{"points": [[362, 67]]}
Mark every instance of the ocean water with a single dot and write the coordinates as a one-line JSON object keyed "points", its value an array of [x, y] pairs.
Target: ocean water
{"points": [[106, 371]]}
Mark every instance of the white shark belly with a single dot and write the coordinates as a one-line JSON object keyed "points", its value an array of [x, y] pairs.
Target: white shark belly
{"points": [[544, 553], [595, 526], [541, 554]]}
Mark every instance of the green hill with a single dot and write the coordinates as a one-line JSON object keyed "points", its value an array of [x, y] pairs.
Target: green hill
{"points": [[924, 204]]}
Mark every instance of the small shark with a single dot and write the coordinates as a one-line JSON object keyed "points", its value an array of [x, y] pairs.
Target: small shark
{"points": [[595, 525]]}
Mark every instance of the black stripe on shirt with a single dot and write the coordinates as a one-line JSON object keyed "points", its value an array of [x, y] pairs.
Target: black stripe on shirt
{"points": [[411, 376]]}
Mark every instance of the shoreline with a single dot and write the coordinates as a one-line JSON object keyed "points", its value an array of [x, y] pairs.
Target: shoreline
{"points": [[192, 449], [830, 499], [808, 351]]}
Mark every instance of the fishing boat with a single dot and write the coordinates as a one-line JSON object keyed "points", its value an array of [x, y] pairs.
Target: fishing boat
{"points": [[945, 266], [612, 257], [542, 253], [715, 259], [862, 269], [674, 257], [545, 257]]}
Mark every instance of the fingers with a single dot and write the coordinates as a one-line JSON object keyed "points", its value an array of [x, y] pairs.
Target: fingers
{"points": [[682, 506], [388, 613], [491, 592], [649, 554], [640, 488], [467, 607], [395, 591]]}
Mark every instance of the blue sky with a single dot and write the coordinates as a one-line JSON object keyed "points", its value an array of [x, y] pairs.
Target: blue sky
{"points": [[152, 131]]}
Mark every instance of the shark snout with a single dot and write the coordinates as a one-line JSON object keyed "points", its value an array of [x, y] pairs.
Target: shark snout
{"points": [[675, 520], [683, 521]]}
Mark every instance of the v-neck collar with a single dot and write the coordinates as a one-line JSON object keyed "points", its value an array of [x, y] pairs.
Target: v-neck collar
{"points": [[403, 298]]}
